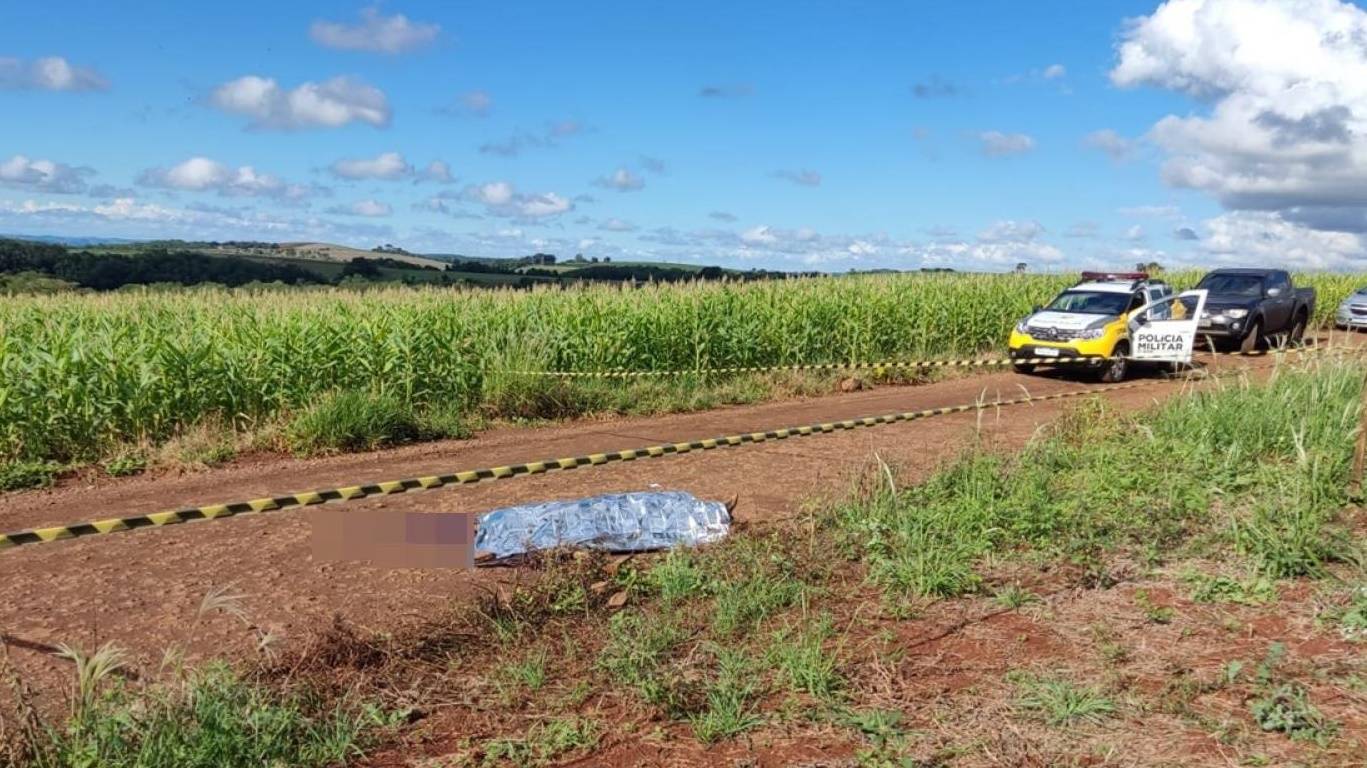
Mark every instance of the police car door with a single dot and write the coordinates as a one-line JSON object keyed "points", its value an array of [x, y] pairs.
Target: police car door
{"points": [[1165, 330]]}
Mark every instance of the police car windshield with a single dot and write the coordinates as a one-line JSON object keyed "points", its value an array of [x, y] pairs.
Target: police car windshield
{"points": [[1091, 302]]}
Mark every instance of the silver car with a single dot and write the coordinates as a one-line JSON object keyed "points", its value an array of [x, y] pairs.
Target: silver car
{"points": [[1352, 313]]}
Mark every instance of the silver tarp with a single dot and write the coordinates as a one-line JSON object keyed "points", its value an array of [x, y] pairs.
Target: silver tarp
{"points": [[622, 522]]}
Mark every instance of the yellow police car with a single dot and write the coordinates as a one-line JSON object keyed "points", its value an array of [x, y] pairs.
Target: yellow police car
{"points": [[1088, 320]]}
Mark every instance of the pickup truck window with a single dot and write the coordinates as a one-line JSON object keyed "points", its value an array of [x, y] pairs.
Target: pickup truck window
{"points": [[1280, 280], [1238, 285], [1091, 302]]}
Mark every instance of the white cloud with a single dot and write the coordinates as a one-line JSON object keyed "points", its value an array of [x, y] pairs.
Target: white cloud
{"points": [[760, 235], [437, 171], [622, 180], [50, 73], [375, 33], [20, 172], [1008, 230], [1054, 71], [617, 225], [370, 208], [1113, 144], [1135, 232], [501, 198], [1265, 238], [330, 104], [546, 204], [202, 174], [998, 144], [1151, 211], [802, 177], [128, 217], [1286, 129], [387, 166]]}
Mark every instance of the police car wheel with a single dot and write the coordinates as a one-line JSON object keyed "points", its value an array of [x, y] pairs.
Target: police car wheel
{"points": [[1114, 370]]}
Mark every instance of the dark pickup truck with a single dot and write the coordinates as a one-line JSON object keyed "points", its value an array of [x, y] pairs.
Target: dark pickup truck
{"points": [[1246, 307]]}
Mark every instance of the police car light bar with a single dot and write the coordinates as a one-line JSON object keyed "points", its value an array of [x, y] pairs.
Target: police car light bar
{"points": [[1115, 275]]}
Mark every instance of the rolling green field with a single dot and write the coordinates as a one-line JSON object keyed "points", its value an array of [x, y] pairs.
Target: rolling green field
{"points": [[85, 374]]}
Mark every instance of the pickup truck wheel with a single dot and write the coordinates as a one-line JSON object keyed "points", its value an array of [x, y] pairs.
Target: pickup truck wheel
{"points": [[1114, 369], [1253, 339], [1297, 332]]}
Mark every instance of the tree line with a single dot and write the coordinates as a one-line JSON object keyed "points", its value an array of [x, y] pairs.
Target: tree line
{"points": [[107, 271]]}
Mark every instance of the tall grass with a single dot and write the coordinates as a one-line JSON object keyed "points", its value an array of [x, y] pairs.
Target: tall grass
{"points": [[1267, 464], [80, 374]]}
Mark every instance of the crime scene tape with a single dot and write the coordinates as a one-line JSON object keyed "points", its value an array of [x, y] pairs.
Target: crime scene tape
{"points": [[968, 362], [469, 477]]}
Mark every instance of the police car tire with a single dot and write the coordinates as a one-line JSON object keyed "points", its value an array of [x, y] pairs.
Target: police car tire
{"points": [[1114, 371]]}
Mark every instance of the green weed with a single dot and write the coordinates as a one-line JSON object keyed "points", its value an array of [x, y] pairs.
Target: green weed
{"points": [[677, 576], [637, 651], [1153, 613], [1059, 702], [543, 743], [1287, 710], [212, 720], [730, 706], [802, 660], [18, 475], [1014, 596]]}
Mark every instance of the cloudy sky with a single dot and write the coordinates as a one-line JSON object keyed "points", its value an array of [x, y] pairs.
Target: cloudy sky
{"points": [[803, 135]]}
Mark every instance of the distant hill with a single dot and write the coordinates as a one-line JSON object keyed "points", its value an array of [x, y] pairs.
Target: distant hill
{"points": [[343, 253]]}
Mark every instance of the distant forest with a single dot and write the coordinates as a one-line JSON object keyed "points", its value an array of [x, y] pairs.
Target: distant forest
{"points": [[107, 271], [32, 263]]}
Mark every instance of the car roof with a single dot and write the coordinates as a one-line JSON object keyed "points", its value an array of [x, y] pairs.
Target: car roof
{"points": [[1243, 271], [1109, 286]]}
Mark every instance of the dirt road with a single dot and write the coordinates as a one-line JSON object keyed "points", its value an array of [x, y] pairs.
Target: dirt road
{"points": [[142, 588]]}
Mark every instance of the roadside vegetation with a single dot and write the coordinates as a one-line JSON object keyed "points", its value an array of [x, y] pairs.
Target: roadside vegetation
{"points": [[1180, 583], [92, 379]]}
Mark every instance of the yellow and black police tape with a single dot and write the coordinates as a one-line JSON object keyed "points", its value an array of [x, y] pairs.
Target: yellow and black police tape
{"points": [[349, 493], [970, 362]]}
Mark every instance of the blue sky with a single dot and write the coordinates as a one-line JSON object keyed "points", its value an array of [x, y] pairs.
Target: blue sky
{"points": [[800, 135]]}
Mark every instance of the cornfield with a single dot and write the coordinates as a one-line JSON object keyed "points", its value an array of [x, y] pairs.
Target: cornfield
{"points": [[82, 373]]}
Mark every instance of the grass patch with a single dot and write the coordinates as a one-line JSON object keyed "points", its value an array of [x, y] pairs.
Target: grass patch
{"points": [[126, 464], [1060, 702], [752, 579], [637, 651], [19, 475], [543, 743], [1015, 597], [677, 576], [804, 664], [1207, 588], [210, 719], [1275, 457], [730, 706], [361, 421]]}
